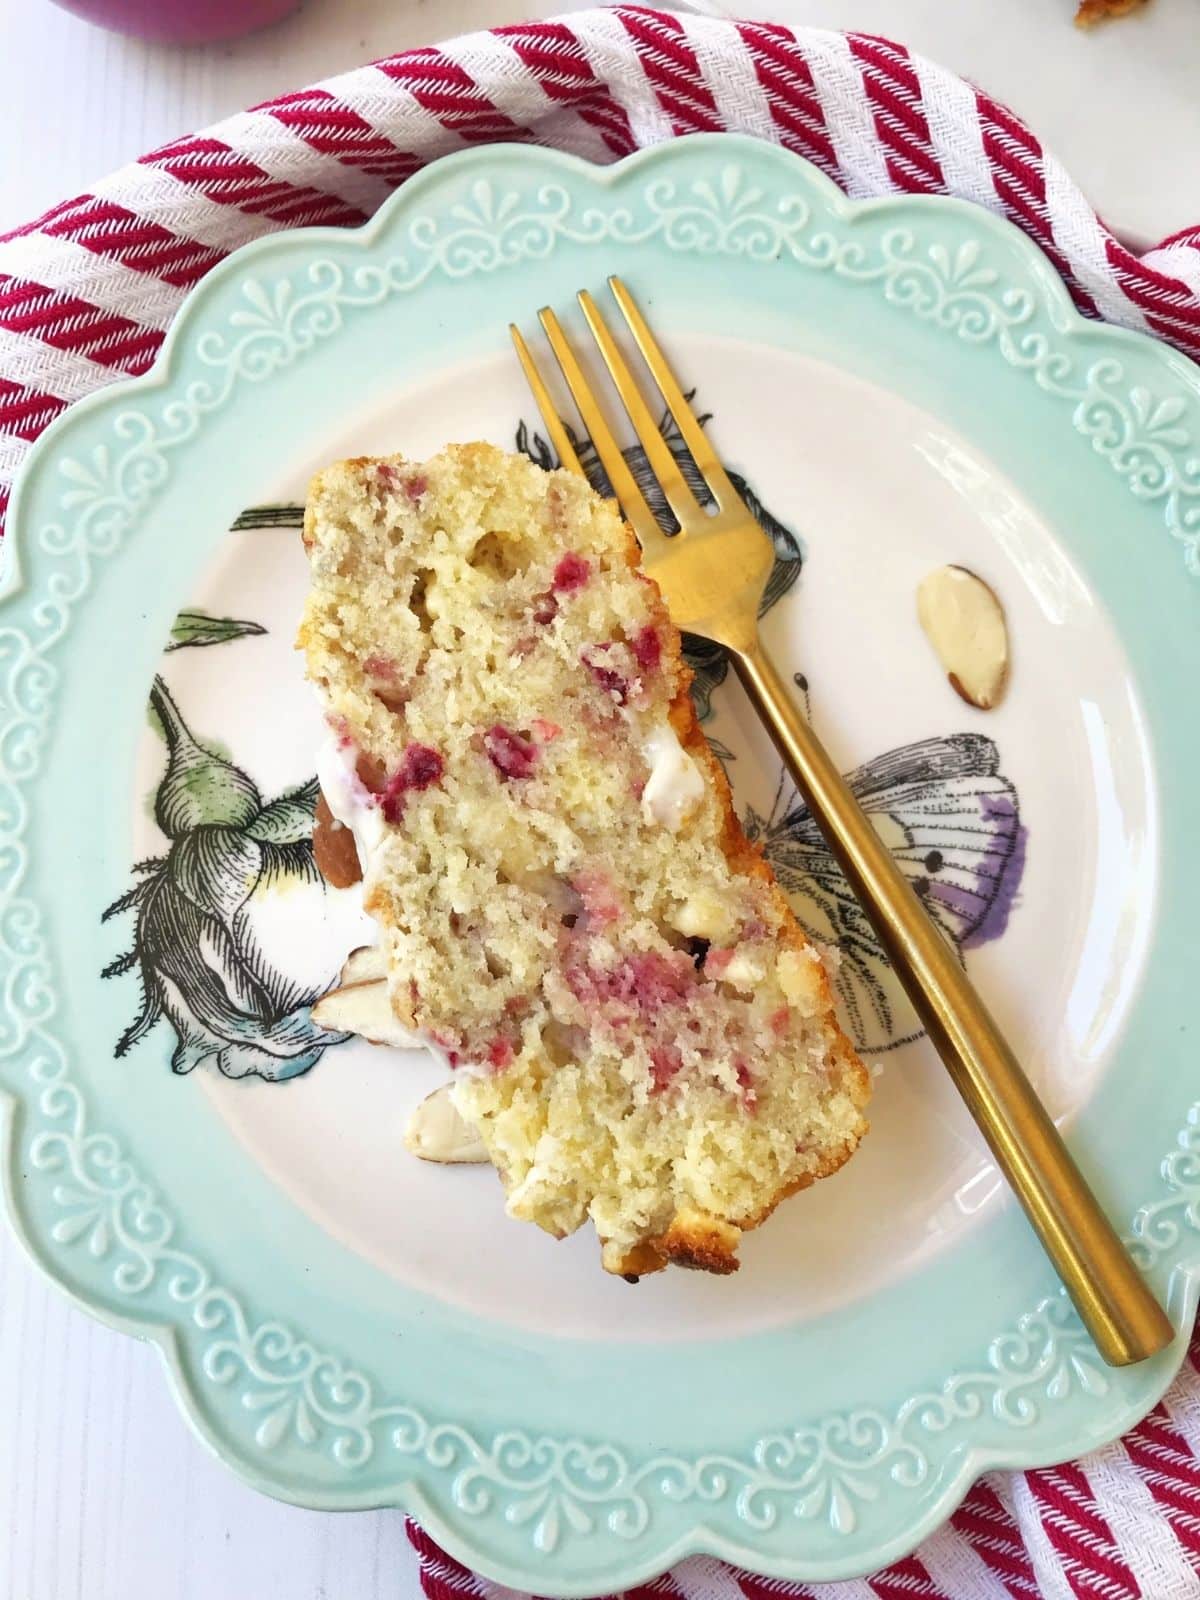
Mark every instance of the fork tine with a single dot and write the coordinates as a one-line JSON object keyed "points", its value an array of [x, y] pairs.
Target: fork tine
{"points": [[662, 463], [630, 498], [694, 436], [559, 437]]}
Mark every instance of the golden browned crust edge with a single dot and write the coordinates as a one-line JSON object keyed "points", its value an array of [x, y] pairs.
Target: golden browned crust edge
{"points": [[693, 1238]]}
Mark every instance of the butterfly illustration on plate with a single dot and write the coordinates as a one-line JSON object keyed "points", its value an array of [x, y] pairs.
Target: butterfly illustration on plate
{"points": [[949, 815], [952, 822]]}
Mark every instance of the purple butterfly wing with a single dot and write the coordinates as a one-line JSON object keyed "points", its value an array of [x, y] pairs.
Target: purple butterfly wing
{"points": [[952, 821]]}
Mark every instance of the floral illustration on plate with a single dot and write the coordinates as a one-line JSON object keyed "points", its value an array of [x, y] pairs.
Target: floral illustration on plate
{"points": [[200, 965]]}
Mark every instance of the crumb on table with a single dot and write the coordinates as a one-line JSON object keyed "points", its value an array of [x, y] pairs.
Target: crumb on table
{"points": [[1093, 11]]}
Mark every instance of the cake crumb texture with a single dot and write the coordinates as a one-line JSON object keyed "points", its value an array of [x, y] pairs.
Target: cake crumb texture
{"points": [[638, 1028]]}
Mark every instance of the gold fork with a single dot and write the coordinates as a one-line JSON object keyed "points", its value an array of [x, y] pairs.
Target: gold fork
{"points": [[712, 574]]}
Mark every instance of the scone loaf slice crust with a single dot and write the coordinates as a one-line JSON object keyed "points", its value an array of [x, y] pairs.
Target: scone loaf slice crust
{"points": [[639, 1030]]}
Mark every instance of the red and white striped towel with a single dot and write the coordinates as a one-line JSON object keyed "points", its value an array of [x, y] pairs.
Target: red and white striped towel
{"points": [[88, 291]]}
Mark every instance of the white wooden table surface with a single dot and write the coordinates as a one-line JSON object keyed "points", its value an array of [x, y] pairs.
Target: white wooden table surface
{"points": [[104, 1494]]}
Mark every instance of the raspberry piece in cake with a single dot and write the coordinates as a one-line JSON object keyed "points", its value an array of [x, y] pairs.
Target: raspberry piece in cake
{"points": [[610, 664], [571, 572], [641, 1033], [647, 648], [510, 754], [419, 767]]}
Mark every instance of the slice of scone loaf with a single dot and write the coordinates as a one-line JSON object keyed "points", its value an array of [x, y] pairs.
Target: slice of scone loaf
{"points": [[636, 1025]]}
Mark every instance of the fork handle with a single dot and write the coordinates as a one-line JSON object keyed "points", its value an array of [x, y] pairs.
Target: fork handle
{"points": [[1123, 1317]]}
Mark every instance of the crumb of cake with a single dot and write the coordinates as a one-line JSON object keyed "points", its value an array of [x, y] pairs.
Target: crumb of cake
{"points": [[599, 900], [500, 1054], [1092, 11], [666, 1062], [380, 667], [640, 1035], [745, 1082]]}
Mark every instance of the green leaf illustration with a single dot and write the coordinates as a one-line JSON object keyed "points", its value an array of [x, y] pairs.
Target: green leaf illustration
{"points": [[196, 628], [199, 786], [288, 820]]}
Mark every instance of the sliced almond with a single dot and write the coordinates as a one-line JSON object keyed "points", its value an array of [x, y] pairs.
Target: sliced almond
{"points": [[367, 964], [334, 849], [364, 1009], [437, 1132], [964, 622]]}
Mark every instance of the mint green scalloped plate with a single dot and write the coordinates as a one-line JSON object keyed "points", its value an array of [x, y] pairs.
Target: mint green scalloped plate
{"points": [[801, 1421]]}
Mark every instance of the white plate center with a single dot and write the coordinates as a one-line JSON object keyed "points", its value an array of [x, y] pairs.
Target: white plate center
{"points": [[878, 493]]}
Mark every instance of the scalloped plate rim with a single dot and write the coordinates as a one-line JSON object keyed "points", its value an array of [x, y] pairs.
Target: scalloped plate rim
{"points": [[971, 1462], [700, 1539], [162, 368]]}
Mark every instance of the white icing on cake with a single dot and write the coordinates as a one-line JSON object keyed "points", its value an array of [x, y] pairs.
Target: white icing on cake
{"points": [[350, 801], [674, 788]]}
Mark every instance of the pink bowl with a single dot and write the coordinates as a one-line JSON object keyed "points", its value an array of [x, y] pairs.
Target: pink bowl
{"points": [[181, 21]]}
